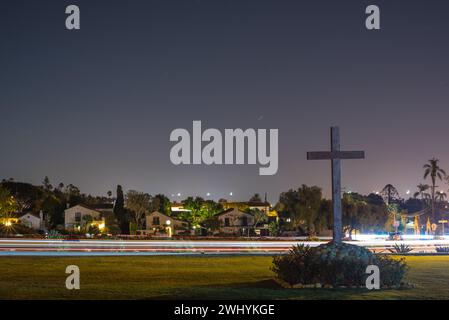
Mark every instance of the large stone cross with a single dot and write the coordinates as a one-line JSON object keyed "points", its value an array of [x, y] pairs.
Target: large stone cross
{"points": [[335, 155]]}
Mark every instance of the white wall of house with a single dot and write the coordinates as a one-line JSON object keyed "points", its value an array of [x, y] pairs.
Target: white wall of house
{"points": [[31, 221], [156, 220], [74, 216]]}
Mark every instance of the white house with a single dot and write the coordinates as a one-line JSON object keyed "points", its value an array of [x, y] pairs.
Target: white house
{"points": [[235, 222], [159, 222], [73, 217], [32, 220]]}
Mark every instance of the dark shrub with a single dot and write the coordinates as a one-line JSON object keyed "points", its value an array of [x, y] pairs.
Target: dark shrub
{"points": [[286, 267], [336, 265], [400, 249], [392, 271]]}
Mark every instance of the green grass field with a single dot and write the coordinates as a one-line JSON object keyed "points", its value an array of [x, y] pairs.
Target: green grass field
{"points": [[242, 277]]}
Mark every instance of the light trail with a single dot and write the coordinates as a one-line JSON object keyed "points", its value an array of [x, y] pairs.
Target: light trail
{"points": [[176, 247]]}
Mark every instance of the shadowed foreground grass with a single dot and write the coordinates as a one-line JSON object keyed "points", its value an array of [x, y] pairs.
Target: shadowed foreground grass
{"points": [[169, 277]]}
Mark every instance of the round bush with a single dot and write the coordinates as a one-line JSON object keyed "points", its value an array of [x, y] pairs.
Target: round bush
{"points": [[336, 264]]}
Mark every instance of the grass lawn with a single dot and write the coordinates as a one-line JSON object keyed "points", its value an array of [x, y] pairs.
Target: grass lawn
{"points": [[170, 277]]}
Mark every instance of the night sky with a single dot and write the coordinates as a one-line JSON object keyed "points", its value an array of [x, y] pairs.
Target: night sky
{"points": [[95, 107]]}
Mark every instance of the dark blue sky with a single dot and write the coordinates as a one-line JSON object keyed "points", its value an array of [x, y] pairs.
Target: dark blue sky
{"points": [[95, 107]]}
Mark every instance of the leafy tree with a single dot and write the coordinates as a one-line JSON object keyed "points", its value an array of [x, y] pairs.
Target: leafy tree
{"points": [[162, 204], [413, 205], [199, 210], [364, 213], [212, 208], [375, 199], [351, 217], [212, 223], [138, 203], [324, 219], [73, 195], [8, 203], [274, 229], [26, 195], [53, 207], [303, 206], [259, 216]]}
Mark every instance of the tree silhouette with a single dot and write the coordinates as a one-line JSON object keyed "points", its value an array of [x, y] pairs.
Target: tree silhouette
{"points": [[432, 170], [389, 193]]}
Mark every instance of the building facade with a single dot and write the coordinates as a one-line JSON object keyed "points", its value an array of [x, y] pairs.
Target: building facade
{"points": [[235, 222]]}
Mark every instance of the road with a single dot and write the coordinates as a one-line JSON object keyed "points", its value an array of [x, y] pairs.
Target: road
{"points": [[36, 247]]}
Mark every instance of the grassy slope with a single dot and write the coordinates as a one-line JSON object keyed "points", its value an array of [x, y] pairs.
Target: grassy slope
{"points": [[190, 277]]}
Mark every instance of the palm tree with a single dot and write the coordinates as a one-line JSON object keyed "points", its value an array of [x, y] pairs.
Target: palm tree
{"points": [[422, 188], [440, 196], [434, 171]]}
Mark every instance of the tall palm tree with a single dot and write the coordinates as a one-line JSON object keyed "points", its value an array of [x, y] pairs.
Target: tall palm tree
{"points": [[432, 170]]}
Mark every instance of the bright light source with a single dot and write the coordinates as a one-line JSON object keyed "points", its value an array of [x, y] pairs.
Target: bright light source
{"points": [[230, 193], [407, 192], [208, 194], [8, 223], [101, 226], [179, 194], [168, 222]]}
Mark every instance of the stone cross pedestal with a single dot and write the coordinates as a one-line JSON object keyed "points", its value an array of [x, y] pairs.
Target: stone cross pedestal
{"points": [[335, 155]]}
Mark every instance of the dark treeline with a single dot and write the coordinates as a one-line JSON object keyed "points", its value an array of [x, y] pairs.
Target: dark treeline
{"points": [[303, 210]]}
